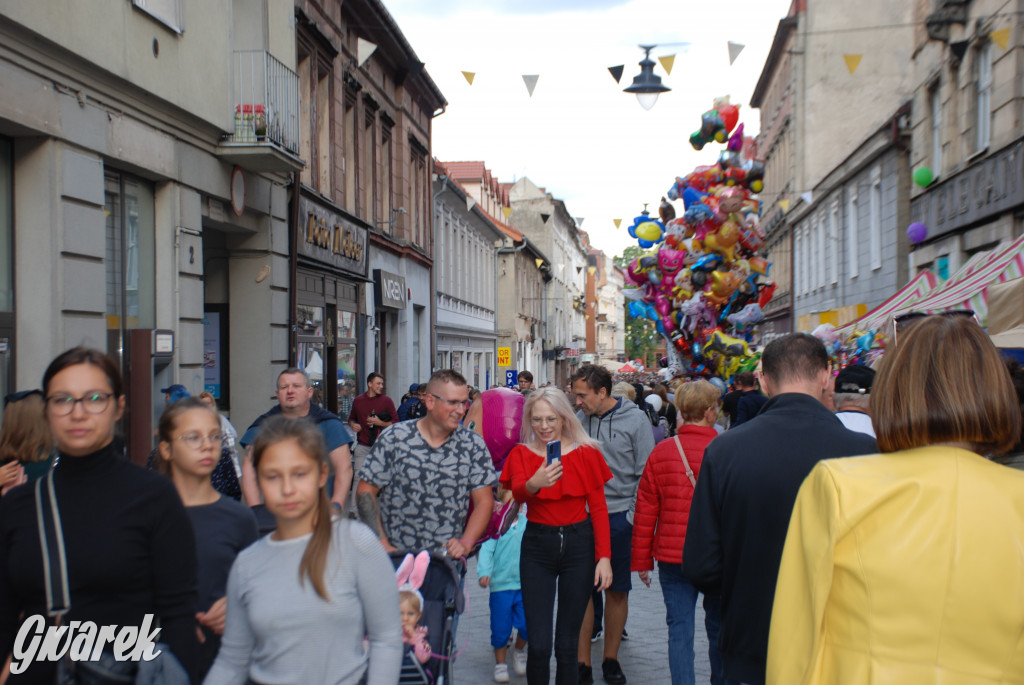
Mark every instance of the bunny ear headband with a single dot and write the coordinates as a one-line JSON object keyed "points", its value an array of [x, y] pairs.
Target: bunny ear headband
{"points": [[411, 572]]}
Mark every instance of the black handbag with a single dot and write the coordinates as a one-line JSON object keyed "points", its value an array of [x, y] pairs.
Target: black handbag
{"points": [[165, 669]]}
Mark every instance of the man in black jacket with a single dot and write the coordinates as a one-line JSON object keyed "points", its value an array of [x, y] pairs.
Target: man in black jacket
{"points": [[745, 493]]}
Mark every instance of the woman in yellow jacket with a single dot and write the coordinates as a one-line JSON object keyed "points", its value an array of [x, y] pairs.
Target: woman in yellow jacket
{"points": [[908, 566]]}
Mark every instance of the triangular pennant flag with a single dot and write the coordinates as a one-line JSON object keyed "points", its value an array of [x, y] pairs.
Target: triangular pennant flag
{"points": [[531, 82], [959, 49], [470, 202], [539, 262], [784, 204], [852, 62], [734, 51], [364, 49], [579, 269], [807, 197], [506, 211], [545, 217], [591, 270], [579, 221], [666, 63], [1001, 37], [617, 222], [469, 75], [617, 72]]}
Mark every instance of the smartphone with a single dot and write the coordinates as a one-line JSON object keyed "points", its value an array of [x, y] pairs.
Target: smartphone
{"points": [[554, 451]]}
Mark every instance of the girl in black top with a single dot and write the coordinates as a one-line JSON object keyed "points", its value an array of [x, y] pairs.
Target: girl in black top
{"points": [[129, 546]]}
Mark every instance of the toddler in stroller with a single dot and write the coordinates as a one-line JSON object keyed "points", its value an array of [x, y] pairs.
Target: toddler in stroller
{"points": [[437, 580]]}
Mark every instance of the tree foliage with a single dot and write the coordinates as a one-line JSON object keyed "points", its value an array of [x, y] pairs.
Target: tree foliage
{"points": [[641, 334]]}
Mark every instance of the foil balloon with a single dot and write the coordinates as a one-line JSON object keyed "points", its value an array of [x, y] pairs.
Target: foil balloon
{"points": [[498, 418]]}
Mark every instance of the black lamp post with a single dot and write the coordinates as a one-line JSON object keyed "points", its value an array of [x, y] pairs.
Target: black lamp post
{"points": [[647, 85]]}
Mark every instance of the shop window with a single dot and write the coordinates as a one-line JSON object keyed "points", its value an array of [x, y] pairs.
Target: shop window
{"points": [[348, 360], [130, 258], [309, 322]]}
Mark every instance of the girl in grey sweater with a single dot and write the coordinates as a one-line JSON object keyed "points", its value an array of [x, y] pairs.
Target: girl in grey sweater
{"points": [[302, 599]]}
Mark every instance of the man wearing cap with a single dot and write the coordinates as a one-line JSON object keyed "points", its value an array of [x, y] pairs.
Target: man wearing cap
{"points": [[173, 393], [409, 400], [853, 398]]}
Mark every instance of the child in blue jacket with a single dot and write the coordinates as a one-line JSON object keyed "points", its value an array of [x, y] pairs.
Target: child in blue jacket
{"points": [[498, 569]]}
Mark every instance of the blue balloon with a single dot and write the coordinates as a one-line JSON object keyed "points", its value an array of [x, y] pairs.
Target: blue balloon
{"points": [[692, 195], [660, 328], [636, 309], [646, 244]]}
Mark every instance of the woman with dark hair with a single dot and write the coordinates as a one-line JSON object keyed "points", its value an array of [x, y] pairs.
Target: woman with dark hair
{"points": [[905, 567], [26, 443], [128, 544]]}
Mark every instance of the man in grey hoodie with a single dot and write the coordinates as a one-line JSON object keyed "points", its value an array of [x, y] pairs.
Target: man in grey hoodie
{"points": [[627, 439]]}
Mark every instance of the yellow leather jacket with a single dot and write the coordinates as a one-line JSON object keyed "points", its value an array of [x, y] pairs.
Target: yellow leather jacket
{"points": [[902, 568]]}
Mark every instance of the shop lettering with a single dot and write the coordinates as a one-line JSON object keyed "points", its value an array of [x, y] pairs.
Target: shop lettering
{"points": [[336, 239], [392, 290]]}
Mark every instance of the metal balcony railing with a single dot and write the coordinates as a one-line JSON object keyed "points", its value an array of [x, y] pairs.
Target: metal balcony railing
{"points": [[266, 101]]}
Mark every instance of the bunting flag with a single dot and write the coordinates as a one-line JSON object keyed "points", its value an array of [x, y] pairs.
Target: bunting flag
{"points": [[616, 72], [579, 269], [617, 222], [545, 217], [531, 82], [959, 49], [506, 211], [852, 62], [734, 51], [592, 270], [784, 205], [666, 63], [579, 221], [364, 49], [470, 203], [1001, 37], [539, 262], [807, 197], [469, 76]]}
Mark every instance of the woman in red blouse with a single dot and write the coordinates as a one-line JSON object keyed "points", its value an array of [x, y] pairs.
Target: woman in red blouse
{"points": [[561, 541], [659, 526]]}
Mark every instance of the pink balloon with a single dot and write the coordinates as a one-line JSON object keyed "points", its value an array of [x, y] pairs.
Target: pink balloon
{"points": [[501, 422]]}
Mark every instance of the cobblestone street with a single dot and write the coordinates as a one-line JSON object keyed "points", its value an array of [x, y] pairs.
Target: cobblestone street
{"points": [[644, 657]]}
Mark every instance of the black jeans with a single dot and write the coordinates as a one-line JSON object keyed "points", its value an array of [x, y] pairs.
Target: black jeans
{"points": [[564, 554]]}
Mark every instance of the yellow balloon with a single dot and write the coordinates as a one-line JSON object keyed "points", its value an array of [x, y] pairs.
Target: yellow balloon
{"points": [[648, 230]]}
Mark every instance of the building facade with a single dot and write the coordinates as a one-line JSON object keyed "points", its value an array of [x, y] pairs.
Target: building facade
{"points": [[610, 311], [968, 109], [465, 254]]}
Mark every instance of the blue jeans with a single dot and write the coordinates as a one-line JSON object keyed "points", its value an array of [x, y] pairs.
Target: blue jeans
{"points": [[680, 602]]}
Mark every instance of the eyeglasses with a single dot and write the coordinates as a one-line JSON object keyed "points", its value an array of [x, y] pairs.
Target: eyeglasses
{"points": [[197, 440], [450, 403], [900, 322], [546, 420], [93, 403]]}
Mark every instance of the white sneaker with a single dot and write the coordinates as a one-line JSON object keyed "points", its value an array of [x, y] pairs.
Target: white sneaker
{"points": [[500, 673], [519, 662]]}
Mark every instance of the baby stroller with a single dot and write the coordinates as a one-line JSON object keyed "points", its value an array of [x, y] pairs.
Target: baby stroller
{"points": [[443, 598]]}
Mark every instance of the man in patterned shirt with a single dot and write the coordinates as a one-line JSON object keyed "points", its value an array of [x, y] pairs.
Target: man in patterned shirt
{"points": [[417, 482]]}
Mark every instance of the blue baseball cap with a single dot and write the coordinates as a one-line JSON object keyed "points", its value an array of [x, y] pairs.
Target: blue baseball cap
{"points": [[176, 392]]}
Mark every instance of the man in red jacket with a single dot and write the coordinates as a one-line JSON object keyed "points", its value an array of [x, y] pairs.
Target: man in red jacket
{"points": [[659, 527]]}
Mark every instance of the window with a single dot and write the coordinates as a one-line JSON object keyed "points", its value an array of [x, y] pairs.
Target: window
{"points": [[935, 104], [833, 244], [366, 175], [876, 219], [983, 123], [350, 164], [167, 12], [130, 258], [852, 238], [384, 175], [314, 66]]}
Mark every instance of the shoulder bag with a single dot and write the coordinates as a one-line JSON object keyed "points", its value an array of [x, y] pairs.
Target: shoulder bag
{"points": [[686, 462]]}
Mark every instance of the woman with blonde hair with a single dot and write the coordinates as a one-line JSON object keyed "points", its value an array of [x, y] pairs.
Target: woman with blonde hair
{"points": [[659, 526], [561, 542], [904, 567], [26, 442]]}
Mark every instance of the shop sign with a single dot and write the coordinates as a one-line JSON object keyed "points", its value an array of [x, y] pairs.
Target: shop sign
{"points": [[328, 237], [572, 352], [989, 187], [504, 356], [389, 290]]}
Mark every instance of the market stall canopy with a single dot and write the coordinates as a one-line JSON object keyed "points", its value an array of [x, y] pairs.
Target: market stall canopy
{"points": [[612, 365], [627, 368], [1006, 314], [919, 286]]}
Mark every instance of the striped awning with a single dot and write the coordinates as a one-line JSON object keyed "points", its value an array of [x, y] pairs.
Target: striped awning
{"points": [[919, 286]]}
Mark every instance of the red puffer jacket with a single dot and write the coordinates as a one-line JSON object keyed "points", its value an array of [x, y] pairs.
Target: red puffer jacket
{"points": [[663, 499]]}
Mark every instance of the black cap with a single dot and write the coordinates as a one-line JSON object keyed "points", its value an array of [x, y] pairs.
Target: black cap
{"points": [[855, 379]]}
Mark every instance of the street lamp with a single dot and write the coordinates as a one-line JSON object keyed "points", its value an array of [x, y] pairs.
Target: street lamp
{"points": [[647, 85]]}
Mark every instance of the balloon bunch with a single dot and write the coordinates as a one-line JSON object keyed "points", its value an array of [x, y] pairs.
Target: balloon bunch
{"points": [[702, 281], [859, 347]]}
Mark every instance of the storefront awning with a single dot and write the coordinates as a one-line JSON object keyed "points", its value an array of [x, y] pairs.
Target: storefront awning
{"points": [[919, 286]]}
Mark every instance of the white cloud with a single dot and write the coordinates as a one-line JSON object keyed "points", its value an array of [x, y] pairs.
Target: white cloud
{"points": [[580, 136]]}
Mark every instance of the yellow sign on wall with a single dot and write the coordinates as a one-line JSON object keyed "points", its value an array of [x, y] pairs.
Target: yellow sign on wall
{"points": [[504, 356]]}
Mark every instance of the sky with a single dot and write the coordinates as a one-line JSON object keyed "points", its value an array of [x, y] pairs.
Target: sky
{"points": [[579, 136]]}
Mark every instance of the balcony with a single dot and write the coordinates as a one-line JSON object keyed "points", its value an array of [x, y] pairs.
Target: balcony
{"points": [[266, 115]]}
